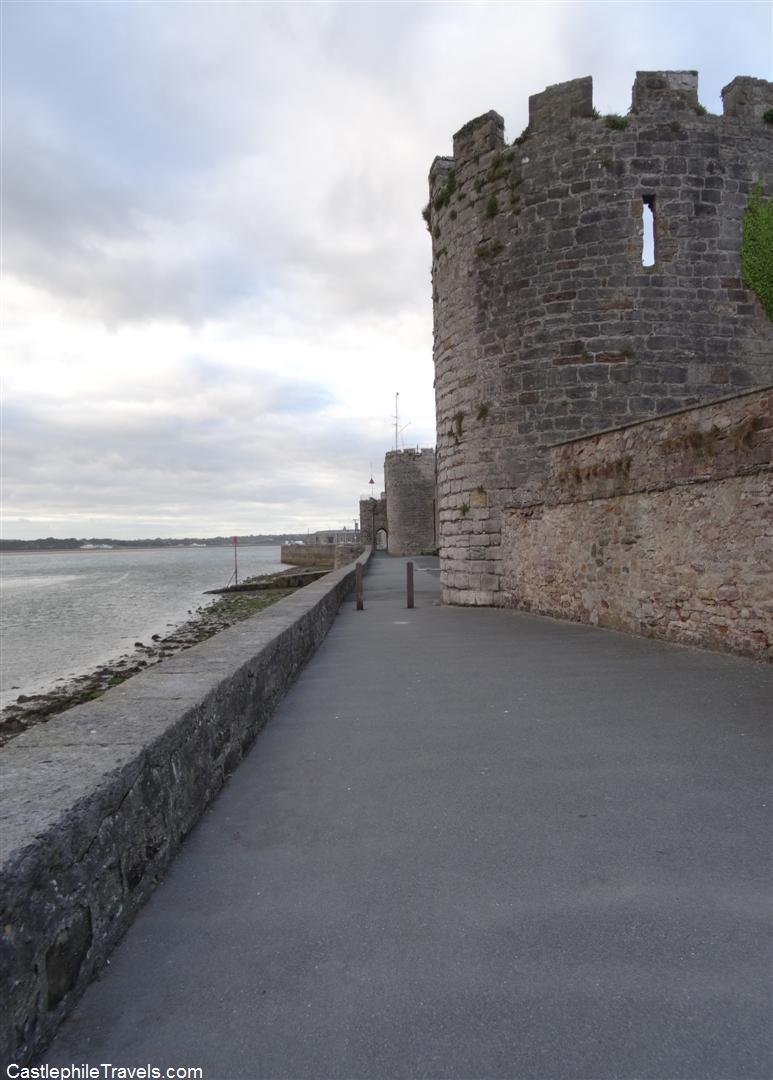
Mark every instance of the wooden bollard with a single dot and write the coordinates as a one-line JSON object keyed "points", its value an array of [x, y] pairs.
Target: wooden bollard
{"points": [[409, 582], [358, 585]]}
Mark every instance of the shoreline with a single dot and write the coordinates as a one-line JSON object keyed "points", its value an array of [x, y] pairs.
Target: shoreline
{"points": [[36, 708], [104, 551]]}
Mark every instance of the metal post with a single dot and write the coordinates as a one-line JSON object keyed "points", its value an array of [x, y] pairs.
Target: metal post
{"points": [[409, 582], [358, 585]]}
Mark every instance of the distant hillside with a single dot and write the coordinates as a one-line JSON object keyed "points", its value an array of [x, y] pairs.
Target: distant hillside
{"points": [[52, 543]]}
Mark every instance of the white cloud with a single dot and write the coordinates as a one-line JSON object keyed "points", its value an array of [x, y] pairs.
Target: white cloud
{"points": [[216, 274]]}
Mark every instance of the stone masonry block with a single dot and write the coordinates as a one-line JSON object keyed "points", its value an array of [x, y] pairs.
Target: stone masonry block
{"points": [[747, 98], [656, 91], [561, 102], [484, 133]]}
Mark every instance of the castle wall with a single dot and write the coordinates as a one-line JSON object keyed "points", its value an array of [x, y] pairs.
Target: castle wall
{"points": [[547, 325], [410, 499], [346, 553], [308, 554], [664, 528], [327, 555]]}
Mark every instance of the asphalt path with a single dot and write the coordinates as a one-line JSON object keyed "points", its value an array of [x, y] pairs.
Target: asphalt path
{"points": [[470, 843]]}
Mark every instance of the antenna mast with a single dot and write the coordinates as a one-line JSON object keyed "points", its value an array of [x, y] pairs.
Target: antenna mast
{"points": [[398, 430]]}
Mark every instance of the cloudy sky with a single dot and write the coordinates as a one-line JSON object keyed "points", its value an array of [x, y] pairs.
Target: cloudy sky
{"points": [[215, 273]]}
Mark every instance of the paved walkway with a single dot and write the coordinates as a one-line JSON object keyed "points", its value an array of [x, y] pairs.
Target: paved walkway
{"points": [[470, 843]]}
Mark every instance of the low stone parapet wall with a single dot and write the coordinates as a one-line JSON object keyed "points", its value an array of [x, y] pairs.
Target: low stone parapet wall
{"points": [[96, 802], [663, 527]]}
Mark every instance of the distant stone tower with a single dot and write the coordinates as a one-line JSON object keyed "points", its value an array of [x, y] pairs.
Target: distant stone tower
{"points": [[403, 521], [546, 323], [373, 522], [410, 500]]}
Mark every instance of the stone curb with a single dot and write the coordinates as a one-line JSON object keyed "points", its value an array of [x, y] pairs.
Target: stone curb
{"points": [[96, 802]]}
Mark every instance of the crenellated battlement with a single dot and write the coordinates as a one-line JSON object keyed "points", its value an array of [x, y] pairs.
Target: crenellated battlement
{"points": [[557, 314], [480, 135], [411, 452], [655, 95], [561, 102], [747, 99], [656, 92]]}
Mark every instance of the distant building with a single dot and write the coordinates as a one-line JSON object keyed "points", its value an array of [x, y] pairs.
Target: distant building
{"points": [[333, 536]]}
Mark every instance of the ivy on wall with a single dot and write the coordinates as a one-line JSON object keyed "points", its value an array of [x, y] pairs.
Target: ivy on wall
{"points": [[757, 248]]}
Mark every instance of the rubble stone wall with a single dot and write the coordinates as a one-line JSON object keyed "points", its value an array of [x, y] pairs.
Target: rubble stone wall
{"points": [[664, 528]]}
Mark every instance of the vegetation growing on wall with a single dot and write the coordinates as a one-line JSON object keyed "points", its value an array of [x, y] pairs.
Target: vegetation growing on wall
{"points": [[444, 195], [757, 248], [708, 441], [599, 470], [489, 251], [499, 166]]}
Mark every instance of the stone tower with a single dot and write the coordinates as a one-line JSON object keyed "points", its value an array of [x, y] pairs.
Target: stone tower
{"points": [[547, 325], [410, 498]]}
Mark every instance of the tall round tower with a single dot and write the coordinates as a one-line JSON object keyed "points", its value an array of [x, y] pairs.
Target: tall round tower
{"points": [[548, 320], [410, 498]]}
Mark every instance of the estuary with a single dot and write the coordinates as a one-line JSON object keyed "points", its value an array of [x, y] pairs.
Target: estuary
{"points": [[64, 613]]}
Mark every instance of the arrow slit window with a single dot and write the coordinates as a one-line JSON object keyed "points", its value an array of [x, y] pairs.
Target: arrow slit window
{"points": [[648, 230]]}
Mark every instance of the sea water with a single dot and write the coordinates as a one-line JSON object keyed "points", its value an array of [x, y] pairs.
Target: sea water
{"points": [[65, 613]]}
